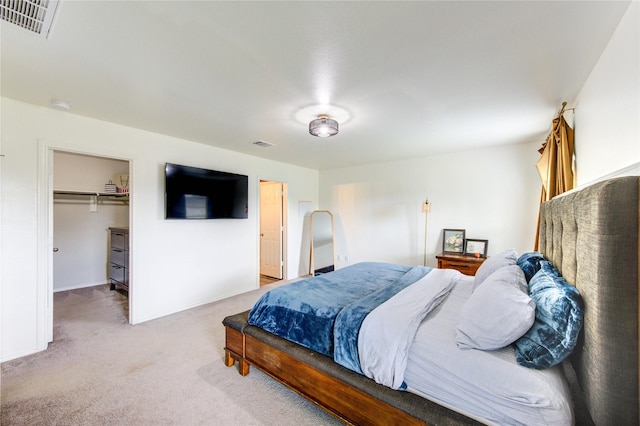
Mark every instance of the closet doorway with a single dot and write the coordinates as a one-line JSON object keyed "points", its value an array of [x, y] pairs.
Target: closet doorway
{"points": [[273, 214], [89, 197]]}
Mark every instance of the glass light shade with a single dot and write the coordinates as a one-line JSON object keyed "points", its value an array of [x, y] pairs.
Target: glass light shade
{"points": [[323, 127]]}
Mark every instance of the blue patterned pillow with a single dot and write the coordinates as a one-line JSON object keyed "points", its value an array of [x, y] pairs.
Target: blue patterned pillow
{"points": [[559, 316], [530, 263]]}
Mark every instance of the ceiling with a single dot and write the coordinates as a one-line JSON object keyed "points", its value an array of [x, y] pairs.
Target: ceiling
{"points": [[411, 78]]}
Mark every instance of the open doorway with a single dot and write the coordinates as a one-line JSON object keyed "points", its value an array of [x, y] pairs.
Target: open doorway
{"points": [[273, 212], [90, 199]]}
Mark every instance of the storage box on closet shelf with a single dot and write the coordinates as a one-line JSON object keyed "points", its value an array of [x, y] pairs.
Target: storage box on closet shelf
{"points": [[110, 187], [122, 183]]}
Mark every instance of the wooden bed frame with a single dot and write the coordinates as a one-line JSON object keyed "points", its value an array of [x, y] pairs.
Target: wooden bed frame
{"points": [[591, 236]]}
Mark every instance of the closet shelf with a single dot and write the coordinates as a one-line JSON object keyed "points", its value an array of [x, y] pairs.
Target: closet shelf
{"points": [[71, 194], [99, 194]]}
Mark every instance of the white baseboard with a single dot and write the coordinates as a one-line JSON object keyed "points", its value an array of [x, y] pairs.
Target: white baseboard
{"points": [[85, 285]]}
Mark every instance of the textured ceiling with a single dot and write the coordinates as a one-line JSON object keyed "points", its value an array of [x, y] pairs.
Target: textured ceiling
{"points": [[414, 78]]}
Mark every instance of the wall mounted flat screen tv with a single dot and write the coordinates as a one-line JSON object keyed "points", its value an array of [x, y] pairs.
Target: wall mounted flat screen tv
{"points": [[194, 193]]}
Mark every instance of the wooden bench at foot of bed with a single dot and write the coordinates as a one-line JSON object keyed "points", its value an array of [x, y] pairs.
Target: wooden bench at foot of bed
{"points": [[234, 350], [347, 395]]}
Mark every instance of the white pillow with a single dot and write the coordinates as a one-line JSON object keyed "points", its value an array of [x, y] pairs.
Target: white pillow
{"points": [[498, 313], [492, 264]]}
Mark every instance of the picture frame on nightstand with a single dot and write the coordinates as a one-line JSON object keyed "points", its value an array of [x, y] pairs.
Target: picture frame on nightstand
{"points": [[478, 248], [453, 241]]}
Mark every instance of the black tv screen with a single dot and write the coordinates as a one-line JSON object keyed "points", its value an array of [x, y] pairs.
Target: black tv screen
{"points": [[194, 193]]}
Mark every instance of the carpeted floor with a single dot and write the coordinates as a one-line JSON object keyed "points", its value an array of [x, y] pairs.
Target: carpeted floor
{"points": [[100, 370]]}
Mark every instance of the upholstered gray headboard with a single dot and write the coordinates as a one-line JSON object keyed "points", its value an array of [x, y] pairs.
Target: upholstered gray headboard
{"points": [[591, 236]]}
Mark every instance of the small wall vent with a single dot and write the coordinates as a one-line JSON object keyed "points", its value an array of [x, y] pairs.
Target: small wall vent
{"points": [[263, 144], [33, 15]]}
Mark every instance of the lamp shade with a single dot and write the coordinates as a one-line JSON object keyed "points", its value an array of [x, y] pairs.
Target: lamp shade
{"points": [[323, 126]]}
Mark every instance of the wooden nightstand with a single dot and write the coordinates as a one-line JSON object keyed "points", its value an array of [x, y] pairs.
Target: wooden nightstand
{"points": [[468, 265]]}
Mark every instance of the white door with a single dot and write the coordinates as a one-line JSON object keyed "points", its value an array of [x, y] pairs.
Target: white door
{"points": [[271, 229]]}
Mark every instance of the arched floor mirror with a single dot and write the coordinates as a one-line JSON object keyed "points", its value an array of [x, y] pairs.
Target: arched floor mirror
{"points": [[323, 253]]}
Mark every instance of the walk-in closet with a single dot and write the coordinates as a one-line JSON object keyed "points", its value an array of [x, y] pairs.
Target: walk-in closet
{"points": [[90, 201]]}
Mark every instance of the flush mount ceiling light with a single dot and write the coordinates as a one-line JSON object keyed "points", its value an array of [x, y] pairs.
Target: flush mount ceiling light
{"points": [[323, 126], [314, 115]]}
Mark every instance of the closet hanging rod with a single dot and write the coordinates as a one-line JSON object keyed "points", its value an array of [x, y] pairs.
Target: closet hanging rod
{"points": [[97, 194]]}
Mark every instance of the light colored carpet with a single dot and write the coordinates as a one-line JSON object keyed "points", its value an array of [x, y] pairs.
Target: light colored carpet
{"points": [[100, 370]]}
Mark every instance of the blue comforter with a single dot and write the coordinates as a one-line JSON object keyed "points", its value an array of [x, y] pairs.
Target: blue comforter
{"points": [[350, 318], [305, 311]]}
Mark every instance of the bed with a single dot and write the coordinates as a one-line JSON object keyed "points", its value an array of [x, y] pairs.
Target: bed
{"points": [[590, 237]]}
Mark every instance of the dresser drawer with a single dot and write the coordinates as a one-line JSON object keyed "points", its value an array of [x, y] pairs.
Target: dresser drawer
{"points": [[120, 257], [119, 240], [465, 268], [466, 264], [118, 273]]}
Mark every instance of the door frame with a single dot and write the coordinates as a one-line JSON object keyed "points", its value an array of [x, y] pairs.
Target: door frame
{"points": [[45, 231], [284, 198]]}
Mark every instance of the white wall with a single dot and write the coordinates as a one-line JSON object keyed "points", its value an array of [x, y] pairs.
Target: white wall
{"points": [[80, 234], [492, 193], [607, 114], [174, 264], [85, 172]]}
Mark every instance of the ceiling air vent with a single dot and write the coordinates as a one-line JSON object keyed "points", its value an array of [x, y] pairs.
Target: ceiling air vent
{"points": [[33, 15], [263, 144]]}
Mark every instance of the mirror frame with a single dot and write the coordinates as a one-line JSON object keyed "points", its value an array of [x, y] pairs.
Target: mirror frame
{"points": [[312, 271]]}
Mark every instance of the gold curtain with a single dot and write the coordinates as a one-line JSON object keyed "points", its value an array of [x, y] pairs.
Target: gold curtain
{"points": [[555, 166]]}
